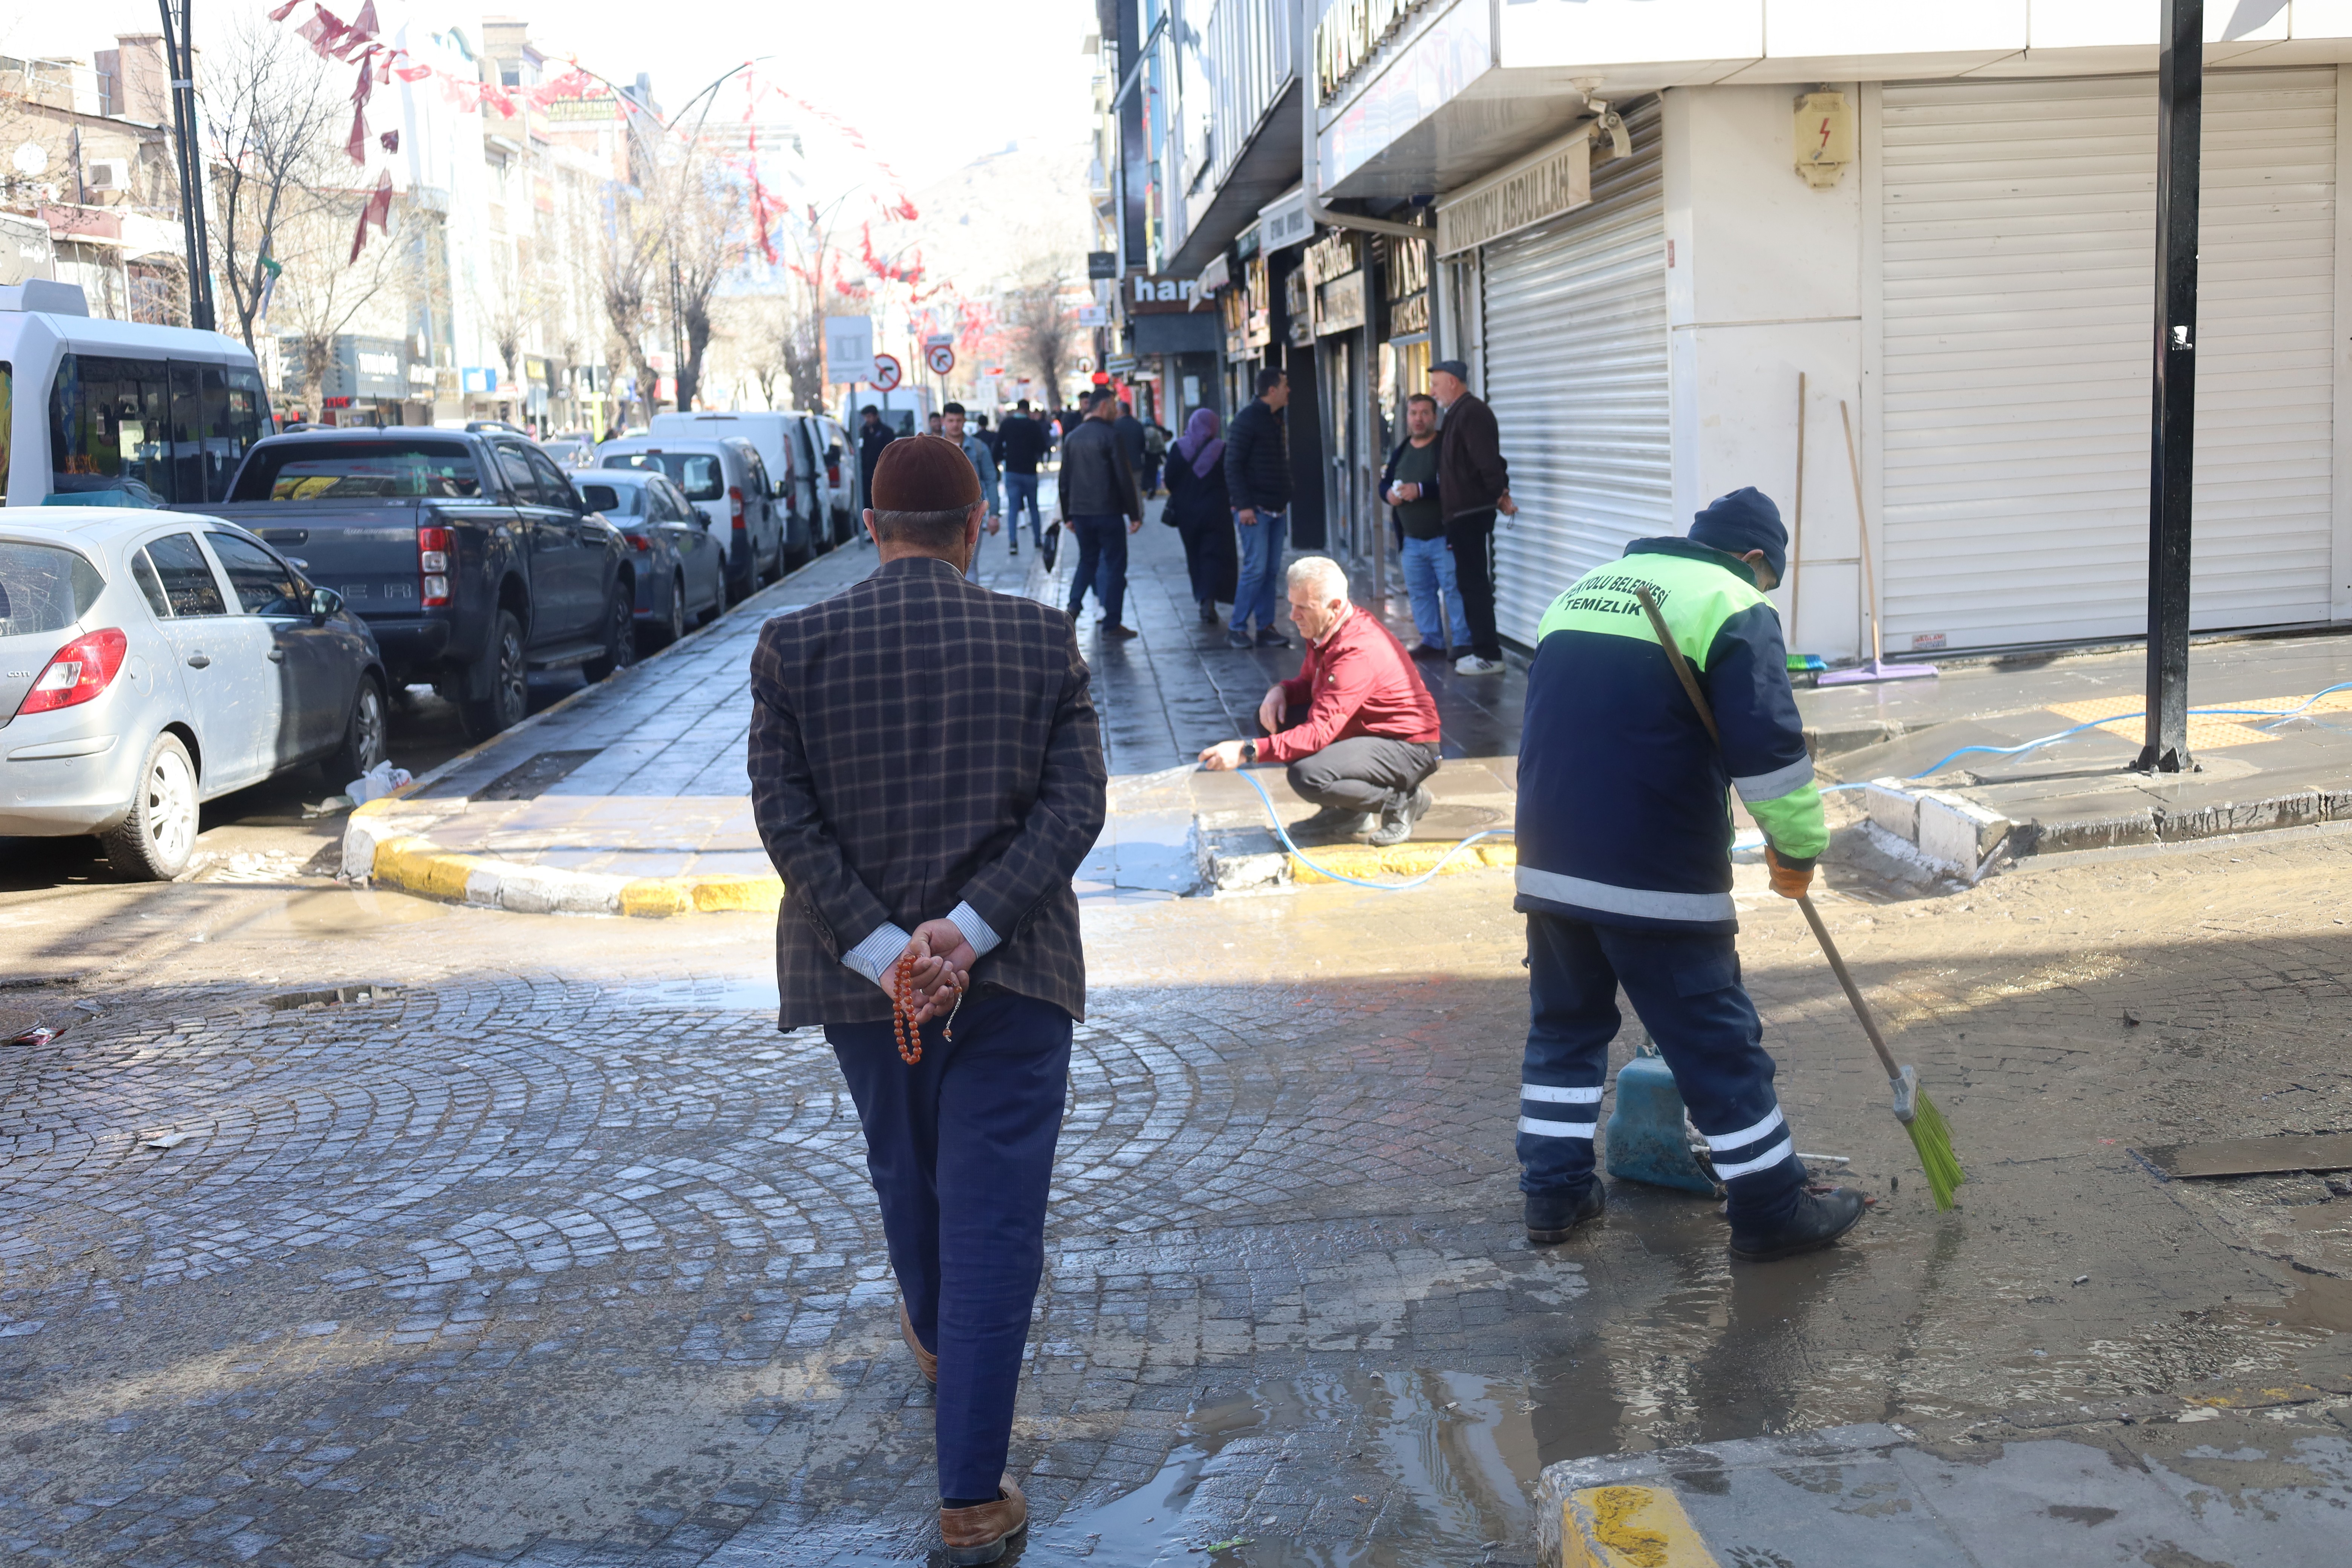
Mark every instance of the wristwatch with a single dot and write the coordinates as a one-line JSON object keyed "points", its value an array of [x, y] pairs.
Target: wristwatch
{"points": [[1249, 750]]}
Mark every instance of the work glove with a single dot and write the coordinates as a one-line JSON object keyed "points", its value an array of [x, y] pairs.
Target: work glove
{"points": [[1787, 880]]}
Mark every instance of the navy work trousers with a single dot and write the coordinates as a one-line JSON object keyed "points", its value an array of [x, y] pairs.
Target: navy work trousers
{"points": [[1686, 987], [1102, 565], [961, 1149]]}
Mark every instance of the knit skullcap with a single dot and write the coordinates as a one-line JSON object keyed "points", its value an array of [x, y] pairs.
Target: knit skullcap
{"points": [[924, 473]]}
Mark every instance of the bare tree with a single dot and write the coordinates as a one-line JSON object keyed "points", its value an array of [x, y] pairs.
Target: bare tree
{"points": [[632, 264], [322, 291], [1042, 328], [510, 303], [705, 229], [275, 123]]}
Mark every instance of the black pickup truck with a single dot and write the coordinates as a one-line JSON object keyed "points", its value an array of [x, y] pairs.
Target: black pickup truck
{"points": [[470, 556]]}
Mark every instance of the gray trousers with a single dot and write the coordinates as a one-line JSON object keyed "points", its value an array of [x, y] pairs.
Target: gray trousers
{"points": [[1365, 772]]}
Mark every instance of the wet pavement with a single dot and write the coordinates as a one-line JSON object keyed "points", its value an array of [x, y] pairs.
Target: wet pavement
{"points": [[551, 1250]]}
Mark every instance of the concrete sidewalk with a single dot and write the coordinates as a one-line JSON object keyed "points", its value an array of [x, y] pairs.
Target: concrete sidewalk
{"points": [[1955, 781], [630, 797]]}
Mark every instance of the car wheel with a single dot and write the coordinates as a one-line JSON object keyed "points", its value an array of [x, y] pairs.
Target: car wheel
{"points": [[654, 635], [620, 640], [509, 697], [153, 843], [365, 738]]}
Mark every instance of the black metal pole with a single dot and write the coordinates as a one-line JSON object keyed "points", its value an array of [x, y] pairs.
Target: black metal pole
{"points": [[180, 70], [2180, 118]]}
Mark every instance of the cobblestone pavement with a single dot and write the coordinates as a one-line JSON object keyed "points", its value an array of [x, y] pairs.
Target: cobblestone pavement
{"points": [[551, 1250]]}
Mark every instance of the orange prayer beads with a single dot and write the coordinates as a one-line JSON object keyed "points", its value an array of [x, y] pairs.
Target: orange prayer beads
{"points": [[904, 1006]]}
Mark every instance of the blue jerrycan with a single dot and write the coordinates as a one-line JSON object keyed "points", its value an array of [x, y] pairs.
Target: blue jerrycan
{"points": [[1646, 1140]]}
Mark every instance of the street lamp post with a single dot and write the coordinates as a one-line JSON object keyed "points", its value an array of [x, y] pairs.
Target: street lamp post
{"points": [[2180, 120], [180, 68]]}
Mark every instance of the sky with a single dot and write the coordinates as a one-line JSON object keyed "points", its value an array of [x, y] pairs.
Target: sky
{"points": [[928, 83]]}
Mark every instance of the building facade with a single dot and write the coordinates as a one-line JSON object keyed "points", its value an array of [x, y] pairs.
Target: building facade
{"points": [[1653, 223]]}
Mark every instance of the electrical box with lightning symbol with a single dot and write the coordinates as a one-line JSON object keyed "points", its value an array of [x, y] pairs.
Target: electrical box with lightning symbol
{"points": [[1824, 138]]}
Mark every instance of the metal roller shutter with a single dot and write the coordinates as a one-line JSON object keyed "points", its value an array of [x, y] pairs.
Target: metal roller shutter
{"points": [[2019, 228], [1576, 373]]}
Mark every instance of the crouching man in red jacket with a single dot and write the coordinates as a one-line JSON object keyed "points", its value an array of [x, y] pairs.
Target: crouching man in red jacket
{"points": [[1355, 724]]}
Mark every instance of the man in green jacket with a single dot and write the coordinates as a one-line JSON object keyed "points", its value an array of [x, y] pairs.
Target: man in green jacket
{"points": [[1624, 870]]}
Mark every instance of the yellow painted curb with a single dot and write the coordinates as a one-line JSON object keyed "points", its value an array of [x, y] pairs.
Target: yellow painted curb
{"points": [[762, 895], [421, 866], [1629, 1527], [1402, 860], [655, 897]]}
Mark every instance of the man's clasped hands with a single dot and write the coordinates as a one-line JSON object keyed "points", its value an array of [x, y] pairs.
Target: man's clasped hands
{"points": [[943, 960]]}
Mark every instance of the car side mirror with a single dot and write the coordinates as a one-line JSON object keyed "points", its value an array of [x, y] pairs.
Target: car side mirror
{"points": [[324, 604]]}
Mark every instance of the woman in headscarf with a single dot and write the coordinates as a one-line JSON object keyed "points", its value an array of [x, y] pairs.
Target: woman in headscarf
{"points": [[1199, 510]]}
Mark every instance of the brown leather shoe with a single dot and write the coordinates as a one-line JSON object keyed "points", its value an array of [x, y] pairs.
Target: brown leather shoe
{"points": [[923, 1358], [980, 1535]]}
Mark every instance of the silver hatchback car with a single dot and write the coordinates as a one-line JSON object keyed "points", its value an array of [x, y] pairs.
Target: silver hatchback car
{"points": [[152, 660]]}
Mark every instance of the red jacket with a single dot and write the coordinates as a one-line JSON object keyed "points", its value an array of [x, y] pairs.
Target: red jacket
{"points": [[1360, 681]]}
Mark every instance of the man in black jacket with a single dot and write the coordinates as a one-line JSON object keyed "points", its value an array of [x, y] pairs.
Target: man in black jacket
{"points": [[873, 434], [1098, 494], [1476, 483], [1257, 477], [1025, 441]]}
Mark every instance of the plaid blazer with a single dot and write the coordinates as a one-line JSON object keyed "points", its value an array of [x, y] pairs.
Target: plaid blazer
{"points": [[919, 742]]}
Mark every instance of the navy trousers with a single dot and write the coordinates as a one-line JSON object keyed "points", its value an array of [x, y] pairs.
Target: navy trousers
{"points": [[961, 1149], [1686, 987], [1102, 565]]}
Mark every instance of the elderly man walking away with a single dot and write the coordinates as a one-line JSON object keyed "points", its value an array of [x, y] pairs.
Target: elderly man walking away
{"points": [[1409, 485], [927, 773], [1098, 494], [1624, 870], [1257, 478], [1025, 441], [1473, 483], [1355, 724], [983, 463]]}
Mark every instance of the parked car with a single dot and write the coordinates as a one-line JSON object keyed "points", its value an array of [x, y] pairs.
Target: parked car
{"points": [[572, 449], [119, 413], [802, 452], [681, 569], [471, 556], [152, 660], [728, 483]]}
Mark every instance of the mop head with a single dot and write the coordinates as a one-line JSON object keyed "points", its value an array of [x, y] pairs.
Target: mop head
{"points": [[1932, 1140]]}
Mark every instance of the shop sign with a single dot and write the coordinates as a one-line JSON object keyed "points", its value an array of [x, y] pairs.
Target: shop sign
{"points": [[1148, 296], [1349, 33], [423, 379], [1336, 253], [535, 369], [1553, 181], [584, 110], [1409, 316], [1339, 304], [481, 378]]}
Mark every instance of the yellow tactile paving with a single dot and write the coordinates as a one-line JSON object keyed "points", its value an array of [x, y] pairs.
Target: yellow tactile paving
{"points": [[1629, 1527], [2208, 731]]}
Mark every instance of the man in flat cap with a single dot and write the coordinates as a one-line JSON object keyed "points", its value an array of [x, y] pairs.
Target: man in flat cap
{"points": [[927, 774]]}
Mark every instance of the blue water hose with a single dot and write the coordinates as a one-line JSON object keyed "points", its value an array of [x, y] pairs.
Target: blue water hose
{"points": [[1284, 834], [2275, 714]]}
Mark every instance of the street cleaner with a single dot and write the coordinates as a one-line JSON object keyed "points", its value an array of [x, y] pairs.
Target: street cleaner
{"points": [[1624, 868]]}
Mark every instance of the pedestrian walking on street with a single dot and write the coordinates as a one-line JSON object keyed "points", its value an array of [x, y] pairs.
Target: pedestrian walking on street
{"points": [[983, 463], [936, 423], [1473, 484], [1025, 441], [1257, 478], [1625, 877], [1356, 723], [1409, 484], [873, 434], [927, 773], [1155, 455], [1134, 439], [1101, 505], [1202, 512]]}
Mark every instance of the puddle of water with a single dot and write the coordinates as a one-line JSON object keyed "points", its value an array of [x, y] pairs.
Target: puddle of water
{"points": [[703, 993], [334, 912], [1449, 1457]]}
